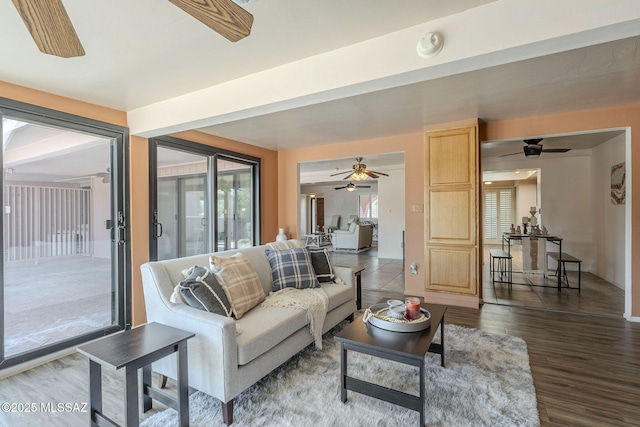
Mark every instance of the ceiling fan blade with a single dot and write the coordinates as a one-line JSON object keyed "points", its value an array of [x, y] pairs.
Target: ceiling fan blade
{"points": [[223, 16], [371, 174], [340, 188], [379, 173], [340, 173], [555, 150], [348, 176], [363, 186], [512, 154], [50, 27]]}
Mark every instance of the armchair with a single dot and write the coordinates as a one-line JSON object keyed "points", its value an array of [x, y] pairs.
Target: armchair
{"points": [[358, 236]]}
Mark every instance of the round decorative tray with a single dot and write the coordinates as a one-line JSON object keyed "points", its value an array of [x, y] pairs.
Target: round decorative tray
{"points": [[381, 310]]}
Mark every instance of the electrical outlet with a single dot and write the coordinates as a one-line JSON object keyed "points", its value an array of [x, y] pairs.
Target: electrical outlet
{"points": [[417, 208]]}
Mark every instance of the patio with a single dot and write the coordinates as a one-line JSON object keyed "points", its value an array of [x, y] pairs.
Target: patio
{"points": [[51, 299]]}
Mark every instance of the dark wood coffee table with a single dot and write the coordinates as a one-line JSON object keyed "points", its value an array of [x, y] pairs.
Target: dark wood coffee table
{"points": [[134, 349], [405, 347]]}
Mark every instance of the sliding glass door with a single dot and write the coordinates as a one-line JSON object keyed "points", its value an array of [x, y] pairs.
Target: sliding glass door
{"points": [[63, 234], [192, 184], [235, 204]]}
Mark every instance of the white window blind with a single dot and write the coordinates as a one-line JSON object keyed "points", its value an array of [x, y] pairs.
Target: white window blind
{"points": [[498, 213]]}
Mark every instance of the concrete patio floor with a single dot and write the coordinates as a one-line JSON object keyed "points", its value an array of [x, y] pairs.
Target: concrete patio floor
{"points": [[52, 299]]}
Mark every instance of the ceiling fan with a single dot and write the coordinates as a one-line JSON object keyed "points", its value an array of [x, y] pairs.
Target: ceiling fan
{"points": [[51, 28], [533, 148], [360, 172], [351, 186]]}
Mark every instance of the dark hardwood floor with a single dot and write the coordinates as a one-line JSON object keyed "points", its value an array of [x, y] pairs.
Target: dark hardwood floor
{"points": [[586, 367]]}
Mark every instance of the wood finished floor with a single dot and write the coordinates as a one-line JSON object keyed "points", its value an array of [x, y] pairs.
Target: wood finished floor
{"points": [[586, 368]]}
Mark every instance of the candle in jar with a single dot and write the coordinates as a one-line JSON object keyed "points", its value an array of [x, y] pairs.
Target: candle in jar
{"points": [[413, 307]]}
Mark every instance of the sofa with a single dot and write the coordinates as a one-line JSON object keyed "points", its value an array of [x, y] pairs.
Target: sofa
{"points": [[228, 355], [357, 236]]}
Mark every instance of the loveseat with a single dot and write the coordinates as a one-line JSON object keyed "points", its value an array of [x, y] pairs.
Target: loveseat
{"points": [[228, 355], [357, 236]]}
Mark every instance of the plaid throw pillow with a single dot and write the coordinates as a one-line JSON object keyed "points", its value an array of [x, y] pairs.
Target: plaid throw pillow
{"points": [[322, 265], [292, 268], [201, 290], [240, 282], [287, 244]]}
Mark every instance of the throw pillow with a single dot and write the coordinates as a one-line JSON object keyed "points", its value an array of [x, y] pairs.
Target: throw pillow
{"points": [[287, 244], [322, 264], [201, 290], [292, 268], [240, 282]]}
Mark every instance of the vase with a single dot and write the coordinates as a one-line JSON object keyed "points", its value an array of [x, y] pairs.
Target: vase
{"points": [[281, 237]]}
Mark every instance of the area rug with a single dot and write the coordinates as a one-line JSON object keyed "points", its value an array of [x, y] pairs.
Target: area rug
{"points": [[486, 382]]}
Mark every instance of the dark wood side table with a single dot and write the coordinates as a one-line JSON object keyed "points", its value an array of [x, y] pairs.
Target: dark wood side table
{"points": [[404, 347], [134, 349], [358, 273]]}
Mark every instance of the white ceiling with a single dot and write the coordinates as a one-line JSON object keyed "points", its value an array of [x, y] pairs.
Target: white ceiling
{"points": [[146, 51], [143, 51]]}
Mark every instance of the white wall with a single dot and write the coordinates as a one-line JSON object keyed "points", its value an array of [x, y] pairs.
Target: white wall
{"points": [[526, 197], [566, 200], [391, 215], [609, 218]]}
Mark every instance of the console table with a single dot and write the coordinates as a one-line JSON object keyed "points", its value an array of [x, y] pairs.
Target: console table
{"points": [[317, 240], [134, 349]]}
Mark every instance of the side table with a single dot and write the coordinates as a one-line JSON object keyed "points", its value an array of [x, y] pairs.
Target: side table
{"points": [[134, 349], [358, 273]]}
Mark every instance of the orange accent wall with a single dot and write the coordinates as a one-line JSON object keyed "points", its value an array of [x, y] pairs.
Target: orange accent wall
{"points": [[578, 121], [60, 103], [139, 212]]}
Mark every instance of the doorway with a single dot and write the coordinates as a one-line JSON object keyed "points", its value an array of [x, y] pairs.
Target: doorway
{"points": [[570, 194], [64, 233]]}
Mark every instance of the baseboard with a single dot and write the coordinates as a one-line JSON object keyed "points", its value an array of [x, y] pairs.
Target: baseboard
{"points": [[630, 318]]}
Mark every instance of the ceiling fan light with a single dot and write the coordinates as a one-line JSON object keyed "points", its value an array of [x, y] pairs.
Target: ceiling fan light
{"points": [[359, 176], [532, 150], [351, 188]]}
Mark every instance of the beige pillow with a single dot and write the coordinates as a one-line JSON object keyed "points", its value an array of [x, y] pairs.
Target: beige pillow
{"points": [[287, 244], [239, 281]]}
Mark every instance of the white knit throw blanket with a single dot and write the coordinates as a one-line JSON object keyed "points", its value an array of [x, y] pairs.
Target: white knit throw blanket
{"points": [[314, 300]]}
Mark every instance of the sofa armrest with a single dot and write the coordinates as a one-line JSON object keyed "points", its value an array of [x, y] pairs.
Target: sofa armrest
{"points": [[347, 274]]}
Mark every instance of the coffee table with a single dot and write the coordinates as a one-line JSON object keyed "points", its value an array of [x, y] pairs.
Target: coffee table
{"points": [[405, 347]]}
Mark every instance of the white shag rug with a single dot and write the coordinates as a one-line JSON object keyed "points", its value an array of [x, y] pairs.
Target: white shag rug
{"points": [[486, 382]]}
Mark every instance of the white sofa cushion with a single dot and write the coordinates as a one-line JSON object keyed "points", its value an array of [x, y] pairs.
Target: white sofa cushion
{"points": [[264, 328]]}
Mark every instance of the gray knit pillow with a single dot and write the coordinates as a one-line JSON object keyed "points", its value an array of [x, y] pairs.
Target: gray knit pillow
{"points": [[201, 290]]}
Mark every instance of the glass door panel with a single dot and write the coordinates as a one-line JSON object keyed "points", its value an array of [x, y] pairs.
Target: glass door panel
{"points": [[234, 205], [182, 204], [193, 222], [58, 275]]}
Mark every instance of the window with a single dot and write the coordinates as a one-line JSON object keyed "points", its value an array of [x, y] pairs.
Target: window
{"points": [[498, 213], [190, 185], [368, 206]]}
